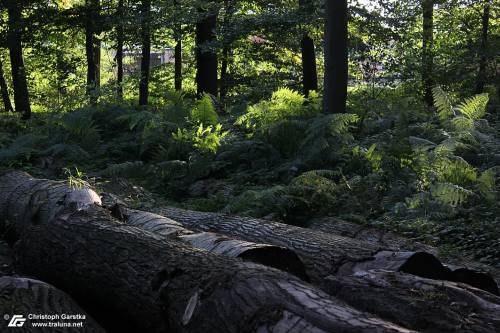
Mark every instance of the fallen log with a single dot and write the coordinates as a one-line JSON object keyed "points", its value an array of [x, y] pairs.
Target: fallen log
{"points": [[394, 242], [268, 255], [425, 305], [26, 302], [323, 254], [132, 280]]}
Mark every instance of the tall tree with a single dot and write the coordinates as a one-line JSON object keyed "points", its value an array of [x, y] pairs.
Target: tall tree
{"points": [[427, 49], [146, 51], [483, 61], [336, 57], [7, 105], [119, 48], [178, 50], [226, 51], [206, 57], [92, 48], [14, 42], [309, 73]]}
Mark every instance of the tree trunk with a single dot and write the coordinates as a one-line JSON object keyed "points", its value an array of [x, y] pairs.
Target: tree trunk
{"points": [[134, 280], [22, 296], [178, 65], [425, 305], [323, 254], [393, 242], [178, 53], [336, 66], [21, 94], [268, 255], [206, 57], [483, 62], [310, 76], [146, 52], [119, 50], [224, 80], [7, 105], [427, 50], [92, 50]]}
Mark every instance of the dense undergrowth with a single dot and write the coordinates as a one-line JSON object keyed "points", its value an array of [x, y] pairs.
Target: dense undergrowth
{"points": [[430, 174]]}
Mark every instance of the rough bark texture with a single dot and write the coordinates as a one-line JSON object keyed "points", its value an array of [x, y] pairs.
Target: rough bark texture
{"points": [[483, 60], [134, 280], [206, 57], [336, 66], [21, 94], [423, 304], [23, 296], [427, 49], [391, 241], [323, 254], [146, 52], [178, 52], [268, 255], [7, 105]]}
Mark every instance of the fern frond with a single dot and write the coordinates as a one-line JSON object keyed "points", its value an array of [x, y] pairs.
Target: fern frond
{"points": [[474, 108], [442, 102], [451, 194]]}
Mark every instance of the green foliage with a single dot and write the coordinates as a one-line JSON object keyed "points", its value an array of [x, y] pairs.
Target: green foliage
{"points": [[284, 104], [204, 112], [205, 139]]}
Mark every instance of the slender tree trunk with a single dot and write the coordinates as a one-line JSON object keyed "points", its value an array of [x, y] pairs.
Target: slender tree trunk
{"points": [[427, 51], [119, 50], [178, 53], [336, 57], [206, 57], [309, 73], [21, 94], [93, 55], [146, 52], [481, 77], [223, 73], [5, 91]]}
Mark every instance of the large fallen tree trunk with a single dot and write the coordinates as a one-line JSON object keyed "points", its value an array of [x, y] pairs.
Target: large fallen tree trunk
{"points": [[326, 254], [423, 304], [394, 242], [269, 255], [25, 303], [134, 280]]}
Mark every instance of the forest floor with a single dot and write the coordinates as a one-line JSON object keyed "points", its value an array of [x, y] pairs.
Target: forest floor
{"points": [[390, 164]]}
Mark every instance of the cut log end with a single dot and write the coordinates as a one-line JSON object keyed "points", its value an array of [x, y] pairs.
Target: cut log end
{"points": [[280, 258]]}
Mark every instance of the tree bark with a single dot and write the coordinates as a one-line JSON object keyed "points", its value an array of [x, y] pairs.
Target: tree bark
{"points": [[146, 52], [336, 57], [7, 105], [134, 280], [268, 255], [206, 57], [427, 50], [421, 304], [465, 272], [119, 50], [14, 40], [309, 73], [92, 50], [23, 296], [323, 254], [483, 61]]}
